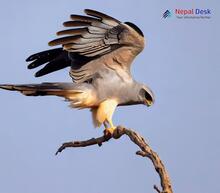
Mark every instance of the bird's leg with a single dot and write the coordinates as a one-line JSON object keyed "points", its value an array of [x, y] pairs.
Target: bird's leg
{"points": [[105, 124], [109, 130]]}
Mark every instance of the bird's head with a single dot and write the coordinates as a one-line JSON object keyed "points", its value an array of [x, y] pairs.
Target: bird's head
{"points": [[146, 96]]}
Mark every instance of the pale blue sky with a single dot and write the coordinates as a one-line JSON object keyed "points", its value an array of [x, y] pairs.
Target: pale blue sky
{"points": [[180, 64]]}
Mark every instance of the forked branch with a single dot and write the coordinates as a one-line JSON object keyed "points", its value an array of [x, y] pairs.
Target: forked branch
{"points": [[145, 151]]}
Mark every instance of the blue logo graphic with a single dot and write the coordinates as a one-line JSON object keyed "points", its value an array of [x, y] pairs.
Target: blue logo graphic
{"points": [[167, 14]]}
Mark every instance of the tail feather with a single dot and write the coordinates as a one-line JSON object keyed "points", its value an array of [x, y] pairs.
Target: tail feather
{"points": [[66, 90], [79, 95]]}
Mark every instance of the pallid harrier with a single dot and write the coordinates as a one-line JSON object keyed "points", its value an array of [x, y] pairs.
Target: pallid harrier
{"points": [[99, 50]]}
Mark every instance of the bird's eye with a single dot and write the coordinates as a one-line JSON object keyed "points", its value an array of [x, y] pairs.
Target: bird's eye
{"points": [[147, 96]]}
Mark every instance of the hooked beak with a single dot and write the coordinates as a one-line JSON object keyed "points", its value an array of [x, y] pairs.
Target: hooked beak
{"points": [[148, 102]]}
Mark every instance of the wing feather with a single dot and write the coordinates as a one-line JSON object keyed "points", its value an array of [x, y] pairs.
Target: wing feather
{"points": [[79, 46], [92, 36], [92, 53], [75, 23], [51, 66], [77, 31], [64, 40], [97, 33], [88, 48], [96, 30], [93, 21], [105, 18]]}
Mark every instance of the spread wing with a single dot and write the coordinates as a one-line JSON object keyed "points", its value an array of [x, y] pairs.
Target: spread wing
{"points": [[96, 36]]}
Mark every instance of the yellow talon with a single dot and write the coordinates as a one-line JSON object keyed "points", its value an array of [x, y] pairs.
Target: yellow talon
{"points": [[109, 131]]}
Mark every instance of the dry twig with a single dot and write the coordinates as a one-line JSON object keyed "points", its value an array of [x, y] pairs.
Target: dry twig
{"points": [[145, 151]]}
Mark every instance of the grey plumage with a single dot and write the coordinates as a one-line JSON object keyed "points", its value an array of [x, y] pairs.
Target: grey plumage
{"points": [[99, 54]]}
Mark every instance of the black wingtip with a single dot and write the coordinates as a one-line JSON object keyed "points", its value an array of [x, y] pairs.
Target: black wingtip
{"points": [[33, 57], [136, 28], [87, 10], [37, 74], [30, 66], [29, 59]]}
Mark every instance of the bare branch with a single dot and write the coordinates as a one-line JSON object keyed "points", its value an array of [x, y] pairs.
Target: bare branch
{"points": [[145, 151]]}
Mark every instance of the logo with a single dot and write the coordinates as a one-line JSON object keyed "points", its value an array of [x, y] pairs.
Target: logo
{"points": [[167, 14], [191, 13]]}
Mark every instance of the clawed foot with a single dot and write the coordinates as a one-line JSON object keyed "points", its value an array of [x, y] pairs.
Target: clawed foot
{"points": [[109, 131]]}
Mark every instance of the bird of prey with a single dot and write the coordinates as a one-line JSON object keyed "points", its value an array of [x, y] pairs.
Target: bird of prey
{"points": [[99, 50]]}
